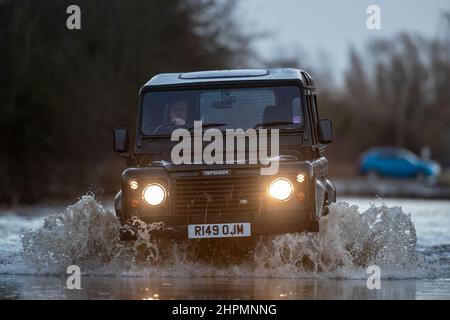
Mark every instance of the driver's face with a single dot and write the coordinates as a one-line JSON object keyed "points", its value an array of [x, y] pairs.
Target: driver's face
{"points": [[178, 110]]}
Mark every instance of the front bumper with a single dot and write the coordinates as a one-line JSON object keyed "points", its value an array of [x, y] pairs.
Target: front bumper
{"points": [[257, 228]]}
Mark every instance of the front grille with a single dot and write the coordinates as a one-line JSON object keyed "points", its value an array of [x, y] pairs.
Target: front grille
{"points": [[216, 195]]}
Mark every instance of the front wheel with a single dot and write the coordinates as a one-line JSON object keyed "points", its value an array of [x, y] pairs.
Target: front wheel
{"points": [[425, 179], [420, 176], [325, 208], [372, 175]]}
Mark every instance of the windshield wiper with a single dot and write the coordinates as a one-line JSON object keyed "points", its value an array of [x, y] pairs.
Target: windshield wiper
{"points": [[271, 124], [210, 125]]}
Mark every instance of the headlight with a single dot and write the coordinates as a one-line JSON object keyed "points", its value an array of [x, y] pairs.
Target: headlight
{"points": [[281, 189], [154, 194]]}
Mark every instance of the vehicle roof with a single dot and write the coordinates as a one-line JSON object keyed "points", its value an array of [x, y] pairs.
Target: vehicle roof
{"points": [[165, 79], [388, 151]]}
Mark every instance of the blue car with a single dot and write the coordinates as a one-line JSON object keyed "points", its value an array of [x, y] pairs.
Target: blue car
{"points": [[397, 163]]}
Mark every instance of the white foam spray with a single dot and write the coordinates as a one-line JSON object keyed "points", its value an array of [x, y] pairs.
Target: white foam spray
{"points": [[87, 235]]}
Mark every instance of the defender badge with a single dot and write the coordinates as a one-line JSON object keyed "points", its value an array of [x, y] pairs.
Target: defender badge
{"points": [[216, 172]]}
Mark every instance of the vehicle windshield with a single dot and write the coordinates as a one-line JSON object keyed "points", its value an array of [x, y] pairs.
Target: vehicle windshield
{"points": [[225, 108]]}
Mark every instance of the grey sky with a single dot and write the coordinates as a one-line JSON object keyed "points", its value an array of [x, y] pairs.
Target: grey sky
{"points": [[311, 27]]}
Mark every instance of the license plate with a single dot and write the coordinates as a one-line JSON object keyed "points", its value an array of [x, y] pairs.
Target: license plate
{"points": [[219, 230]]}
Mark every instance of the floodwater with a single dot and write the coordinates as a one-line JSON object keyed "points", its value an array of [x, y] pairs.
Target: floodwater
{"points": [[408, 239]]}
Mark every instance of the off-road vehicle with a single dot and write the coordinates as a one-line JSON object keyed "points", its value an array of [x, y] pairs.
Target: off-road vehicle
{"points": [[230, 199]]}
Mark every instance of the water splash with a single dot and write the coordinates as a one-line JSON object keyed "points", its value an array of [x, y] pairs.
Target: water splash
{"points": [[87, 235], [347, 243]]}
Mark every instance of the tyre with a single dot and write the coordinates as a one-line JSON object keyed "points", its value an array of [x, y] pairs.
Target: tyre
{"points": [[372, 175], [425, 179], [325, 209], [421, 177]]}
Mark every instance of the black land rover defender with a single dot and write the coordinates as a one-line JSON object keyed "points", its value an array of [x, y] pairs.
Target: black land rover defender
{"points": [[196, 200]]}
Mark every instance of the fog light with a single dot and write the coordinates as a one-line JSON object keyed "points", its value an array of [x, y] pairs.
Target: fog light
{"points": [[301, 177], [134, 203], [133, 184], [281, 189], [154, 194]]}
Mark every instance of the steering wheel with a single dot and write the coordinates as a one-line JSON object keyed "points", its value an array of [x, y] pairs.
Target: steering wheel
{"points": [[171, 125], [163, 126]]}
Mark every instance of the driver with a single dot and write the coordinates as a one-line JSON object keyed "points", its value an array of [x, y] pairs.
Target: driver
{"points": [[178, 112], [177, 116]]}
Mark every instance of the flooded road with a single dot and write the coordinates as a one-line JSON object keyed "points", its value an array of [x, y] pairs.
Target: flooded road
{"points": [[81, 235], [33, 287]]}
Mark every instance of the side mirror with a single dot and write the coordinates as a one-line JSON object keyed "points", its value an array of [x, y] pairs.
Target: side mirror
{"points": [[120, 140], [324, 131]]}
